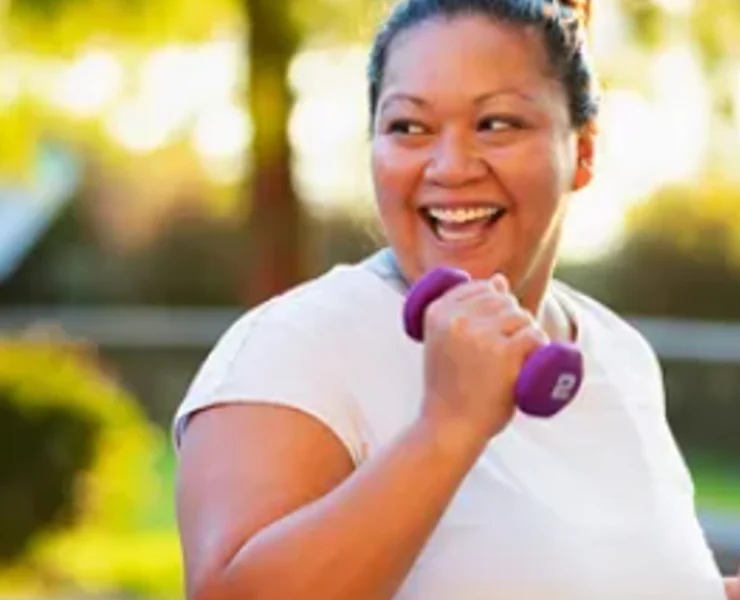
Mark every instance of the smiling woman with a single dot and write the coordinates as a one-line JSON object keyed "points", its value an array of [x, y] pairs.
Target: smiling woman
{"points": [[473, 156], [372, 467]]}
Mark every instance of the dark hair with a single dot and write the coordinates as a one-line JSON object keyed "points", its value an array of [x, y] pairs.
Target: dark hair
{"points": [[563, 23]]}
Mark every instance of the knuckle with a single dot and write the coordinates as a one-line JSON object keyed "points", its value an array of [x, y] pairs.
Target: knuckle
{"points": [[514, 320], [494, 302], [460, 325]]}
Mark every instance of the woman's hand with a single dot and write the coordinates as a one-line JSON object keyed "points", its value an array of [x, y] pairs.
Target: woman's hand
{"points": [[477, 340]]}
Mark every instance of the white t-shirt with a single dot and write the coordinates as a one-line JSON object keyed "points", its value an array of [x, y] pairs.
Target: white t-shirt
{"points": [[593, 504]]}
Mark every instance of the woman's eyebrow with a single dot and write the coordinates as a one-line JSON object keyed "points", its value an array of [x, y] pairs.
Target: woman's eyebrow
{"points": [[485, 97], [480, 99], [402, 96]]}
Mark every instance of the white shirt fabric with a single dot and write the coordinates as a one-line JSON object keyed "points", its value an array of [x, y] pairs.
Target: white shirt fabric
{"points": [[593, 504]]}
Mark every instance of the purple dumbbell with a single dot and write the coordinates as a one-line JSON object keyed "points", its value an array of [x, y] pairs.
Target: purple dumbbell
{"points": [[549, 379]]}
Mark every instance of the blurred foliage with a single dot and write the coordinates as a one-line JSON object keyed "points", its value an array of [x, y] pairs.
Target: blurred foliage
{"points": [[63, 27], [713, 24], [197, 257], [71, 263], [647, 21], [76, 458], [716, 27], [196, 260], [274, 31], [703, 410], [20, 132], [337, 20], [681, 256]]}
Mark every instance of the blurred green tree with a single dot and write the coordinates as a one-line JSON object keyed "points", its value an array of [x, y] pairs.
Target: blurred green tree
{"points": [[75, 448]]}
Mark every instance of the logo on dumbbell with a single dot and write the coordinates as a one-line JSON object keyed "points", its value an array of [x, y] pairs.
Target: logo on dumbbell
{"points": [[564, 386]]}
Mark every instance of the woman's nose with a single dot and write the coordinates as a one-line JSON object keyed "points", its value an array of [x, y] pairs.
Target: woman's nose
{"points": [[455, 161]]}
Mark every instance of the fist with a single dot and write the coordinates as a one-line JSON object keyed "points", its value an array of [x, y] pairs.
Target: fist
{"points": [[477, 339]]}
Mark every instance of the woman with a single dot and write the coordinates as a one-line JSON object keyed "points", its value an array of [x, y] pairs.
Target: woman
{"points": [[325, 455]]}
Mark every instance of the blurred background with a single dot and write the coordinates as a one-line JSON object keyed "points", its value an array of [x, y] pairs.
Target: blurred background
{"points": [[165, 164]]}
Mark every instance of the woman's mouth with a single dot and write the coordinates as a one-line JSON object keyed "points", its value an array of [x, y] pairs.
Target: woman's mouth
{"points": [[462, 225]]}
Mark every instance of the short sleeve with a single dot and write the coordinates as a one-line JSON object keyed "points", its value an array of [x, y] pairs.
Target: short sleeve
{"points": [[263, 359]]}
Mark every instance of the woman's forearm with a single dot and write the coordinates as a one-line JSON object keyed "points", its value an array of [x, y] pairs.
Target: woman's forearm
{"points": [[361, 539]]}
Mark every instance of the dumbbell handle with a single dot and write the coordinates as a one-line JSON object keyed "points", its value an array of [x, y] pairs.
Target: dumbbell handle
{"points": [[549, 379]]}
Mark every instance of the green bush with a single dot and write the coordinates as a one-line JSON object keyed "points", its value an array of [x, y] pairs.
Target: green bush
{"points": [[680, 257], [76, 461]]}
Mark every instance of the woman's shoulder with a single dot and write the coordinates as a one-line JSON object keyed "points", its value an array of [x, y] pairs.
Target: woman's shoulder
{"points": [[584, 302], [323, 303]]}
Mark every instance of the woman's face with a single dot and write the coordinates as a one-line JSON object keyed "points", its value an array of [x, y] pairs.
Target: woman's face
{"points": [[473, 152]]}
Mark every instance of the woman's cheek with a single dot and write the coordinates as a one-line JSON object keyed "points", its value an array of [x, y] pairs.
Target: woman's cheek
{"points": [[529, 172], [395, 173]]}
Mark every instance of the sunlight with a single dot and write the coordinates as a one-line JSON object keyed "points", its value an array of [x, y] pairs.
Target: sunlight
{"points": [[11, 81], [89, 84], [608, 29], [181, 90], [644, 143], [189, 78], [683, 104], [328, 128], [736, 111], [222, 131], [595, 223], [167, 84], [221, 136], [676, 6], [140, 127]]}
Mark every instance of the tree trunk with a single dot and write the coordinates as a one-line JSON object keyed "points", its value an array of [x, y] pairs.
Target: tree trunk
{"points": [[274, 229]]}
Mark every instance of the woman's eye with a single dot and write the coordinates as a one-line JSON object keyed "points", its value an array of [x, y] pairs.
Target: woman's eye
{"points": [[499, 124], [405, 127]]}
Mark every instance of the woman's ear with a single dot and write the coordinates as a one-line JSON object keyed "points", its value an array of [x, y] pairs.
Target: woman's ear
{"points": [[586, 151]]}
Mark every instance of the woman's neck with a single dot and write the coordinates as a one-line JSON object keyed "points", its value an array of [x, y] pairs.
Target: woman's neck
{"points": [[553, 317], [550, 314], [559, 325]]}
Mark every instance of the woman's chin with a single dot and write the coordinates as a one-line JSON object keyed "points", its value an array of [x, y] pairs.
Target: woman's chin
{"points": [[480, 256]]}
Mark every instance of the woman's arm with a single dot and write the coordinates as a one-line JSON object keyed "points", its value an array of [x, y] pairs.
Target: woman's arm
{"points": [[269, 505]]}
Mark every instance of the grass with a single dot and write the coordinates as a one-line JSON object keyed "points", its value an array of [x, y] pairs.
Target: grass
{"points": [[717, 481]]}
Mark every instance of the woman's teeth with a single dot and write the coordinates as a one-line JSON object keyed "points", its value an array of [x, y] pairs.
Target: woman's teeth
{"points": [[462, 224], [463, 215]]}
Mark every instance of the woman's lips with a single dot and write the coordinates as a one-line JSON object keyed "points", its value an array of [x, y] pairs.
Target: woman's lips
{"points": [[462, 225]]}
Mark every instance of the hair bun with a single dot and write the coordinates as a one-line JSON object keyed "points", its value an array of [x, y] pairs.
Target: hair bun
{"points": [[579, 10], [582, 10]]}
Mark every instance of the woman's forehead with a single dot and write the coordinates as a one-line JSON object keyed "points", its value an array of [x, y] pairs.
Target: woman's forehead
{"points": [[470, 60], [467, 47]]}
